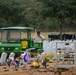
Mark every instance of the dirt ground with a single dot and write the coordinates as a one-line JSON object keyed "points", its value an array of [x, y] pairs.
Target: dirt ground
{"points": [[50, 70], [29, 71]]}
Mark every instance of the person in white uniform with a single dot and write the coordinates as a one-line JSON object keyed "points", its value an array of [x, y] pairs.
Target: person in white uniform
{"points": [[38, 37]]}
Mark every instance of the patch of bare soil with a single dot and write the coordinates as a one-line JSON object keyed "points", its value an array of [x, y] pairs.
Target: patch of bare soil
{"points": [[50, 70]]}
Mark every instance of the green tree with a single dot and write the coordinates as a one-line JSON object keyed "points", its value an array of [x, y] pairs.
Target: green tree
{"points": [[60, 10], [12, 11], [40, 14]]}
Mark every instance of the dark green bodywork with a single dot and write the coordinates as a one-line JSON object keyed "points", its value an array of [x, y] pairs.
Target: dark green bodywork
{"points": [[16, 46], [10, 47]]}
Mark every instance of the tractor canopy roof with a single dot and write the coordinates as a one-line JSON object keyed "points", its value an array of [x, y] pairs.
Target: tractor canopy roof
{"points": [[16, 28]]}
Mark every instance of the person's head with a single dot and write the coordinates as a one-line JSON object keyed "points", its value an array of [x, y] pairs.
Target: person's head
{"points": [[38, 33]]}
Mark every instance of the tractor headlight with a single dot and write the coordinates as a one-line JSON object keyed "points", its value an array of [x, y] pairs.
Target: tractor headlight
{"points": [[2, 48], [16, 48]]}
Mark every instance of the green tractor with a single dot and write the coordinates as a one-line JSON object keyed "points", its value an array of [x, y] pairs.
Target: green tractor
{"points": [[18, 40]]}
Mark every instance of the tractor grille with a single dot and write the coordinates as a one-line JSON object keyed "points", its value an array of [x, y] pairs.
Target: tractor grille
{"points": [[9, 48]]}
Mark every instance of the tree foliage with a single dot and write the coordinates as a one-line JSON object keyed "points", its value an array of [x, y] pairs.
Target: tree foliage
{"points": [[40, 14], [11, 12]]}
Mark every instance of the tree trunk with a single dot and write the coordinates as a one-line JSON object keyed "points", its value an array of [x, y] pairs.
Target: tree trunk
{"points": [[60, 30], [60, 21]]}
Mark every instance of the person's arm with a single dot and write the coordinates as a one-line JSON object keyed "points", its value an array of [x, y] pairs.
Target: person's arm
{"points": [[42, 37], [34, 37]]}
